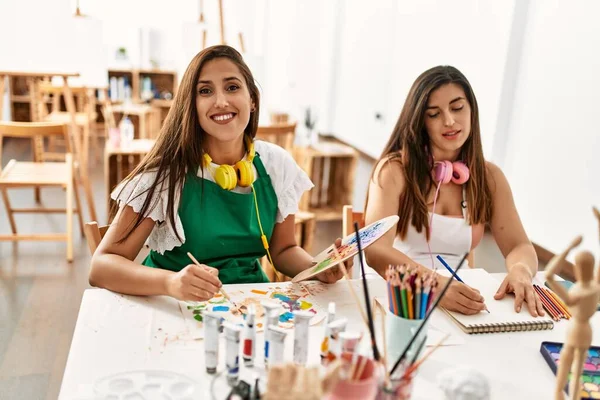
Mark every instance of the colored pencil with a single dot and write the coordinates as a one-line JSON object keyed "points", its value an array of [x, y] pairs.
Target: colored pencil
{"points": [[409, 297], [449, 268], [551, 300], [418, 299], [429, 313], [559, 302], [548, 306]]}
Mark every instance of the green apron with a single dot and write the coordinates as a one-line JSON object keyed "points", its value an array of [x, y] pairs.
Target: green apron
{"points": [[221, 228]]}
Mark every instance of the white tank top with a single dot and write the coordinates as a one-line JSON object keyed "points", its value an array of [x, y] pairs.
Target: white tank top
{"points": [[451, 237]]}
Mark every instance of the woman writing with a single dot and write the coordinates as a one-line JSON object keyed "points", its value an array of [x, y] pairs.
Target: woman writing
{"points": [[433, 175]]}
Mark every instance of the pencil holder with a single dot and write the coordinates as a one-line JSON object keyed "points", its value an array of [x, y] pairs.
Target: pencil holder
{"points": [[364, 387], [399, 332]]}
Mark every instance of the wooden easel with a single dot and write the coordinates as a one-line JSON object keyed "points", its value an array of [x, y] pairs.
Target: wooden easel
{"points": [[221, 27]]}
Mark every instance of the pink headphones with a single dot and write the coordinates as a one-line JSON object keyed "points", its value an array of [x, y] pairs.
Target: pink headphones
{"points": [[446, 171]]}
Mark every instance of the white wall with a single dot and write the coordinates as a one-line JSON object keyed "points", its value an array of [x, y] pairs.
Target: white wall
{"points": [[553, 138], [384, 48]]}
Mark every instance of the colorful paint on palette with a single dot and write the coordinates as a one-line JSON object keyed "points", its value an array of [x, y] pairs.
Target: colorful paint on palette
{"points": [[221, 308], [286, 317], [590, 388], [261, 292]]}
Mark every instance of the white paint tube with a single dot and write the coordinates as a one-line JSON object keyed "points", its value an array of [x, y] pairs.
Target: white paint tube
{"points": [[249, 337], [335, 328], [232, 351], [349, 341], [301, 321], [272, 312], [325, 342], [277, 337], [212, 324]]}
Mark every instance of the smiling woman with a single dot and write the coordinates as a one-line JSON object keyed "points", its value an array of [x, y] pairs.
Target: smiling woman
{"points": [[207, 189]]}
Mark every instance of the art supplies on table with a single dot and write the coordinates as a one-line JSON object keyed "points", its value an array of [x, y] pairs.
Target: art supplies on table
{"points": [[249, 337], [232, 352], [502, 316], [288, 296], [325, 342], [552, 303], [212, 326], [591, 368], [409, 291], [302, 319], [349, 248], [567, 285], [132, 384]]}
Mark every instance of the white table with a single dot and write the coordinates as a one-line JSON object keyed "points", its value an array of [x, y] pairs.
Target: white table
{"points": [[117, 333]]}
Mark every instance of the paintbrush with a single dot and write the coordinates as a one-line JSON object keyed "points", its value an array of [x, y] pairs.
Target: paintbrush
{"points": [[415, 365], [431, 309], [223, 292], [367, 298]]}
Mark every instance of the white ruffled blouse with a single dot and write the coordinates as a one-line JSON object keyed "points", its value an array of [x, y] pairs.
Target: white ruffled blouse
{"points": [[288, 179]]}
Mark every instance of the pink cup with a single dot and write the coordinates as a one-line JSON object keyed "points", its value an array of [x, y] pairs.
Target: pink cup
{"points": [[364, 388]]}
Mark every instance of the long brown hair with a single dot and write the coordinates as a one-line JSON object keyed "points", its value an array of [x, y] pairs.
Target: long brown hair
{"points": [[410, 145], [180, 145]]}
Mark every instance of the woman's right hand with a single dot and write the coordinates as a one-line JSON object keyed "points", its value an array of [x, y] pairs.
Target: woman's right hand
{"points": [[194, 283], [460, 297]]}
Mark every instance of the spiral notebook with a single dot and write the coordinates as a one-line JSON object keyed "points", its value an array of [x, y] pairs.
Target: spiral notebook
{"points": [[502, 316]]}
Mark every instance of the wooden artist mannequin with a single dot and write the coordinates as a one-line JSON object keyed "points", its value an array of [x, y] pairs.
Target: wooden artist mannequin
{"points": [[582, 298]]}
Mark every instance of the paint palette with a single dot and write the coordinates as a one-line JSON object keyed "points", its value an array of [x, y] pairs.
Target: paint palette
{"points": [[590, 388], [147, 385], [349, 248], [290, 296]]}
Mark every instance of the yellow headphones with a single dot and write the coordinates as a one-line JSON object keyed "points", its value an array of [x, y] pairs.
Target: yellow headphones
{"points": [[240, 174]]}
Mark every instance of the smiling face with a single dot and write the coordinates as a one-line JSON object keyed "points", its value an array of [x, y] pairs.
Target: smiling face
{"points": [[447, 121], [223, 101]]}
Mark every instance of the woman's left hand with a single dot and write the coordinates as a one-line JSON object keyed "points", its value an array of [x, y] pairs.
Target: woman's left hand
{"points": [[334, 274], [519, 281]]}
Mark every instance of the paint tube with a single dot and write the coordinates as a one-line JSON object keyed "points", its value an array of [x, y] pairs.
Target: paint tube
{"points": [[277, 336], [301, 320], [212, 324], [232, 350], [249, 337], [349, 341], [272, 311], [325, 342], [335, 328]]}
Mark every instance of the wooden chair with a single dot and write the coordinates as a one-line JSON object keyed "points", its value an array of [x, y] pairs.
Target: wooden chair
{"points": [[94, 234], [85, 113], [281, 134], [349, 217], [40, 173]]}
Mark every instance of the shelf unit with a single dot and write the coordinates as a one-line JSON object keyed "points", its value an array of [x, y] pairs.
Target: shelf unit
{"points": [[162, 81]]}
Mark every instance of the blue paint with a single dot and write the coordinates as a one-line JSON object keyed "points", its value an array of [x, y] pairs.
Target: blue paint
{"points": [[281, 297], [221, 308], [266, 349], [286, 317]]}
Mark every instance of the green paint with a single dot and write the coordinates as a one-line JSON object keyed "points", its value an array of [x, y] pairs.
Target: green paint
{"points": [[198, 317], [322, 265]]}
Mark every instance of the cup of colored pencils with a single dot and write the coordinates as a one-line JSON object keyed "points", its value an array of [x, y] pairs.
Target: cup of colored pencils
{"points": [[410, 296]]}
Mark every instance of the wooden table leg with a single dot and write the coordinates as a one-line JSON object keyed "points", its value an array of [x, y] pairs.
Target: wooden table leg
{"points": [[2, 86]]}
